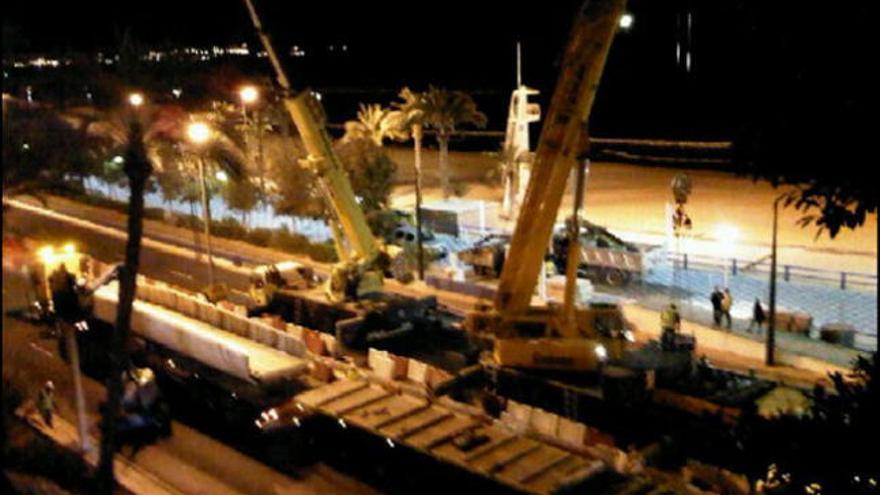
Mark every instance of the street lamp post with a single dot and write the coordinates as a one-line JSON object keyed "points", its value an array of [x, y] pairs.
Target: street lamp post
{"points": [[199, 133], [771, 321], [51, 260], [249, 95]]}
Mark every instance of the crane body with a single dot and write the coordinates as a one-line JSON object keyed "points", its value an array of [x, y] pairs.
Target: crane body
{"points": [[360, 272], [549, 336]]}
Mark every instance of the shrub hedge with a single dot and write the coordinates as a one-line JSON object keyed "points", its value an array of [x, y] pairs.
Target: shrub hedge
{"points": [[228, 228]]}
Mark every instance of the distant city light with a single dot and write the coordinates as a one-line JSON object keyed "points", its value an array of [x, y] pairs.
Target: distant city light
{"points": [[177, 92], [626, 21]]}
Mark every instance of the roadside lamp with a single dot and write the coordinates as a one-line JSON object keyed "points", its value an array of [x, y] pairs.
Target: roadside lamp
{"points": [[136, 99], [198, 132], [248, 94]]}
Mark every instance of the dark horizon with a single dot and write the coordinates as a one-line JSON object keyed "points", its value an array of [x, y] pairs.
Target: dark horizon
{"points": [[663, 78]]}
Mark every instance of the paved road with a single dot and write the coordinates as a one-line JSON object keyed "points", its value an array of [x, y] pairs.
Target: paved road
{"points": [[178, 267]]}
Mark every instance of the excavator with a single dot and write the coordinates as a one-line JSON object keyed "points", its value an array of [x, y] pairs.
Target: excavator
{"points": [[355, 285], [552, 336]]}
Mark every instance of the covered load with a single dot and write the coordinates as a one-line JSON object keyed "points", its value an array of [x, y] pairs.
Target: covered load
{"points": [[224, 351]]}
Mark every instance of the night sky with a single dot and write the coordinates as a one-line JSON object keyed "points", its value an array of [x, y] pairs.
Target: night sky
{"points": [[745, 54]]}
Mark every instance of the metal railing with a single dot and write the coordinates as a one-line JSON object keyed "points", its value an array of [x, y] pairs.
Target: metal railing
{"points": [[786, 272]]}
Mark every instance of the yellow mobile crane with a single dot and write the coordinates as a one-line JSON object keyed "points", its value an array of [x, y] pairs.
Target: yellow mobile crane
{"points": [[550, 336], [360, 272], [360, 313]]}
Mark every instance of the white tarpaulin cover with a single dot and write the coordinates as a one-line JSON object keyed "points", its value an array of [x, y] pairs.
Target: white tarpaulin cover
{"points": [[211, 346]]}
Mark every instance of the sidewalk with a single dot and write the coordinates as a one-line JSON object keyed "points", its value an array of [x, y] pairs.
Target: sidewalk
{"points": [[129, 475]]}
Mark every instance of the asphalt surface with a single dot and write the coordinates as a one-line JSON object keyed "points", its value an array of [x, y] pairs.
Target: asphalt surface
{"points": [[184, 270]]}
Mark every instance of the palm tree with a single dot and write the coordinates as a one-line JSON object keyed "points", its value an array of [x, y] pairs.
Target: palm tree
{"points": [[374, 123], [410, 117], [149, 139], [445, 110], [132, 137]]}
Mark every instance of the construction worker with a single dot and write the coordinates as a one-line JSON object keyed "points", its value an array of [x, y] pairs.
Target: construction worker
{"points": [[46, 402], [670, 322]]}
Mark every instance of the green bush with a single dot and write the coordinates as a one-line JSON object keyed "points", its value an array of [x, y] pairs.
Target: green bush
{"points": [[259, 237], [229, 228]]}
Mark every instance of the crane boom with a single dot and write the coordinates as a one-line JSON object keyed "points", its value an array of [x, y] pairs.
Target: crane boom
{"points": [[562, 143], [308, 116]]}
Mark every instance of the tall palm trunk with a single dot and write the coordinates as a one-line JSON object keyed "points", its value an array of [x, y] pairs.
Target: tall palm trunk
{"points": [[138, 169], [443, 139]]}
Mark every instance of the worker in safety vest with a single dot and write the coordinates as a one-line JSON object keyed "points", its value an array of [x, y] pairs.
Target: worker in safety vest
{"points": [[670, 322], [46, 402]]}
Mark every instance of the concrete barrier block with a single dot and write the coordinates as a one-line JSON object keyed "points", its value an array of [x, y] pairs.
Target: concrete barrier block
{"points": [[235, 324], [571, 432], [294, 330], [313, 342], [521, 412], [544, 422], [331, 344], [401, 365], [417, 371]]}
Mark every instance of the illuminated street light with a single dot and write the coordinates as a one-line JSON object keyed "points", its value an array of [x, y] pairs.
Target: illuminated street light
{"points": [[198, 132], [136, 99], [626, 21], [248, 94]]}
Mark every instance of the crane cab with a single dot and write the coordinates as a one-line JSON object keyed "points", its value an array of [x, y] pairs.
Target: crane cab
{"points": [[541, 338]]}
